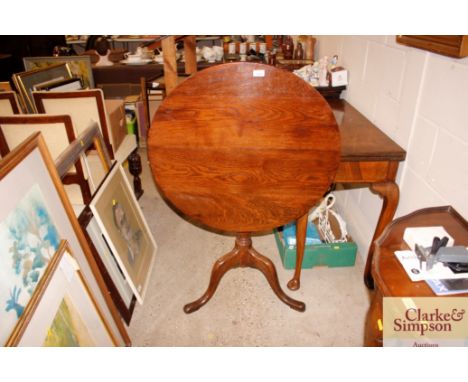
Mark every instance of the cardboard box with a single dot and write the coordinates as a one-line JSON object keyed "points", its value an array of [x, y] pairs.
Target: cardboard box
{"points": [[116, 114], [331, 255], [339, 77]]}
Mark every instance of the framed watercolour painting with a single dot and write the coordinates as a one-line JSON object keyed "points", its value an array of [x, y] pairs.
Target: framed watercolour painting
{"points": [[125, 229], [35, 216], [28, 240], [62, 311]]}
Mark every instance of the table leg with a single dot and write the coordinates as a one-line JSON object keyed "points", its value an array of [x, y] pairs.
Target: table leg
{"points": [[220, 267], [301, 228], [390, 193], [265, 265], [373, 331], [244, 255]]}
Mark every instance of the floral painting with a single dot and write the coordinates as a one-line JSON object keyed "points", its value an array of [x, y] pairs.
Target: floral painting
{"points": [[28, 240]]}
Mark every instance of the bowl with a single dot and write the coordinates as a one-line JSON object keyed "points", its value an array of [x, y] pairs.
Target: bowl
{"points": [[160, 59], [133, 57]]}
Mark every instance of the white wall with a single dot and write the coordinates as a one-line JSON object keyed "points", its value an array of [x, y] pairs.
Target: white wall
{"points": [[420, 100]]}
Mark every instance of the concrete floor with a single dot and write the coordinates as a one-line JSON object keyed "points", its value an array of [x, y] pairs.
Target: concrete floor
{"points": [[244, 310]]}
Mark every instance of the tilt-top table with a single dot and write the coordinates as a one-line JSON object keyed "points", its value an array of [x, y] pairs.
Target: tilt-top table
{"points": [[243, 148]]}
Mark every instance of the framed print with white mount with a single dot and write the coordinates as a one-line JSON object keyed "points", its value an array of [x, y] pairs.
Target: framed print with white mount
{"points": [[37, 208], [125, 229], [62, 311], [119, 288]]}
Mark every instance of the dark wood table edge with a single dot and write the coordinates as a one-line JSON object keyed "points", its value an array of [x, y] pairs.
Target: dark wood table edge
{"points": [[448, 209], [373, 334]]}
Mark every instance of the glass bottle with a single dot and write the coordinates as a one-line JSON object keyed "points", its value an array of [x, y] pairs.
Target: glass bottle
{"points": [[299, 52], [288, 48]]}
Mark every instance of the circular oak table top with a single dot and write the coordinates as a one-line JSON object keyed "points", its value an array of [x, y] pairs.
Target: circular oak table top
{"points": [[243, 147]]}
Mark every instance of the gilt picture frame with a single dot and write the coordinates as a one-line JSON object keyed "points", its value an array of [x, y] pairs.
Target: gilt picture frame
{"points": [[63, 311], [68, 84], [125, 229], [30, 166], [27, 81], [80, 66]]}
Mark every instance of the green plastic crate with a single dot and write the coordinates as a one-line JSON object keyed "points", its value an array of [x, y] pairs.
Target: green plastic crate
{"points": [[331, 255]]}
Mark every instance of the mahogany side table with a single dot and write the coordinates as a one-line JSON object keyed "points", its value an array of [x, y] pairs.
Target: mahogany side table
{"points": [[243, 148], [369, 158], [389, 276]]}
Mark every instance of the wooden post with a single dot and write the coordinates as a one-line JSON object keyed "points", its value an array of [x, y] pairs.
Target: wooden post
{"points": [[269, 41], [170, 64], [190, 44]]}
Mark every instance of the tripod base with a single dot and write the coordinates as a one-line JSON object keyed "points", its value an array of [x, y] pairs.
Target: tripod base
{"points": [[243, 255]]}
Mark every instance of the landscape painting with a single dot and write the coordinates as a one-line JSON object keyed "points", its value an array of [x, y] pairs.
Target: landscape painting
{"points": [[28, 240], [62, 311], [68, 328]]}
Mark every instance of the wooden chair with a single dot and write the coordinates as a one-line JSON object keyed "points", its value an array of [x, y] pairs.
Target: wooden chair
{"points": [[85, 106], [8, 103], [58, 133]]}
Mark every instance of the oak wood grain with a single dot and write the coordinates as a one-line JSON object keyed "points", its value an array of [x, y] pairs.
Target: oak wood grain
{"points": [[241, 148], [240, 153]]}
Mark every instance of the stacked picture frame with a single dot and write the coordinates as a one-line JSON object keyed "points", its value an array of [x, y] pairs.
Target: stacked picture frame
{"points": [[118, 217], [31, 80], [80, 66], [122, 243], [62, 311], [119, 237], [62, 73], [35, 222]]}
